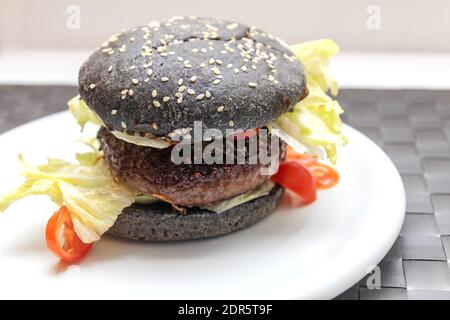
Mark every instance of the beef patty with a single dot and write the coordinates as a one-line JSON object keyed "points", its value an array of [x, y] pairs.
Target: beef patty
{"points": [[152, 172]]}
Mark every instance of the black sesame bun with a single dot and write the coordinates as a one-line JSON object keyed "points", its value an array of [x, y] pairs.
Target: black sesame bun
{"points": [[160, 222], [157, 78]]}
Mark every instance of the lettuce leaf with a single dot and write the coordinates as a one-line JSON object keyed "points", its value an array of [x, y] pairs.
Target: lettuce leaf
{"points": [[94, 199], [315, 56], [142, 141], [315, 121], [84, 115]]}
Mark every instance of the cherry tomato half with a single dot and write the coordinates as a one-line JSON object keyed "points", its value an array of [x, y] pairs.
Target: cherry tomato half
{"points": [[325, 176], [62, 239], [296, 177]]}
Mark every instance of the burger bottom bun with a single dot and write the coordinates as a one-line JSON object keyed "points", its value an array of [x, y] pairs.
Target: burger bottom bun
{"points": [[160, 222]]}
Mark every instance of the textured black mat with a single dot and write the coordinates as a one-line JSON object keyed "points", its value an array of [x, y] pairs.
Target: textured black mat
{"points": [[412, 126]]}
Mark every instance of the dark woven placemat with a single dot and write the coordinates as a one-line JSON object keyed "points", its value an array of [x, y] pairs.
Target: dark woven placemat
{"points": [[412, 126]]}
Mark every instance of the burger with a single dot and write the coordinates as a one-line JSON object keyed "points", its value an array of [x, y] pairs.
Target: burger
{"points": [[180, 89]]}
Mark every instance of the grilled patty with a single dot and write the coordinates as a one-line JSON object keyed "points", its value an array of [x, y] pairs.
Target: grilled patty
{"points": [[152, 172]]}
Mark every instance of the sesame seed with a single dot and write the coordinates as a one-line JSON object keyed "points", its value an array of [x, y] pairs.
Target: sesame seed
{"points": [[188, 66], [181, 89], [132, 67], [208, 94], [231, 123], [219, 62], [155, 126], [202, 65], [200, 96], [164, 79], [252, 84], [147, 80], [110, 68], [232, 26], [178, 94], [154, 93], [215, 70], [244, 68], [180, 59], [180, 82], [211, 61], [236, 70], [135, 81], [124, 125], [204, 50], [230, 66], [191, 92], [113, 38], [92, 86], [149, 72], [180, 99], [114, 112], [130, 92], [165, 99], [220, 109], [195, 50], [125, 91], [217, 81], [156, 103], [193, 78]]}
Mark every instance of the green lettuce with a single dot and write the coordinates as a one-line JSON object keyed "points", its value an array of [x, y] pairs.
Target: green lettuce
{"points": [[84, 115], [142, 141], [93, 197], [315, 121]]}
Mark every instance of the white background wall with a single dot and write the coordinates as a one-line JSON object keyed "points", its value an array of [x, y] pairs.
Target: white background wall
{"points": [[414, 25], [411, 49]]}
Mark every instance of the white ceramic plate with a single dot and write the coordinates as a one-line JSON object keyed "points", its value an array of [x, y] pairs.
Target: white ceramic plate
{"points": [[314, 252]]}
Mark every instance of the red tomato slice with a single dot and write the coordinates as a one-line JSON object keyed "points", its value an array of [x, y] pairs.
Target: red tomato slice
{"points": [[62, 239], [325, 176], [296, 177]]}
